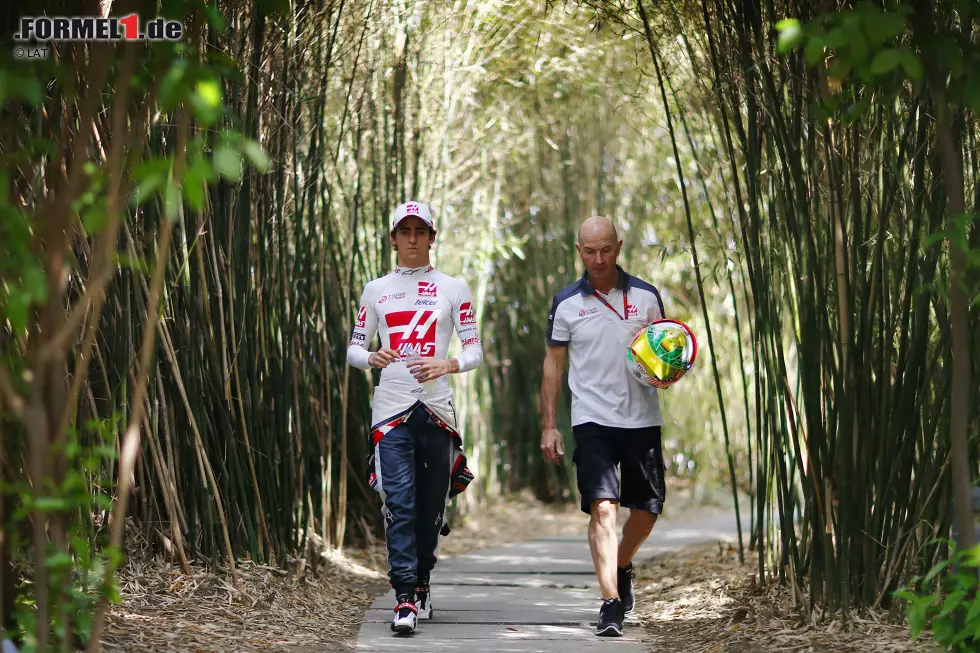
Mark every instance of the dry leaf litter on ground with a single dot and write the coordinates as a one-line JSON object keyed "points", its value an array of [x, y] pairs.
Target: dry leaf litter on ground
{"points": [[702, 600]]}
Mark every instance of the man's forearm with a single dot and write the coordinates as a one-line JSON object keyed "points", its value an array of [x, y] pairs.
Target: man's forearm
{"points": [[550, 383]]}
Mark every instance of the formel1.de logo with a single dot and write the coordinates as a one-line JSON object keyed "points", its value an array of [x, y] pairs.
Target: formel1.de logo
{"points": [[93, 28]]}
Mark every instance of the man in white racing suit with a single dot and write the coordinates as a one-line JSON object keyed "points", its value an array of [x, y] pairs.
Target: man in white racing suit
{"points": [[417, 448]]}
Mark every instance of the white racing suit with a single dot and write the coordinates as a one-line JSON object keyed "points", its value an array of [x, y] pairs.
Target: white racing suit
{"points": [[417, 464]]}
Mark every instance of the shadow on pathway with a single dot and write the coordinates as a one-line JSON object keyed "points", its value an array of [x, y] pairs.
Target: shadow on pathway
{"points": [[535, 596]]}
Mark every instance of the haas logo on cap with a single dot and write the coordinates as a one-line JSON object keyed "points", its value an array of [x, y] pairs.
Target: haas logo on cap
{"points": [[427, 289], [411, 208], [466, 314]]}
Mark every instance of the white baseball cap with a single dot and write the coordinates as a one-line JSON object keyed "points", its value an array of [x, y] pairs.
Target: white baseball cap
{"points": [[412, 209]]}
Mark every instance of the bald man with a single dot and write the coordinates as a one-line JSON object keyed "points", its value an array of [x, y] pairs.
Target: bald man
{"points": [[615, 420]]}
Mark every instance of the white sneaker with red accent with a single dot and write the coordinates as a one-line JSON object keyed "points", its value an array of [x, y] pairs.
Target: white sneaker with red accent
{"points": [[423, 601], [406, 616]]}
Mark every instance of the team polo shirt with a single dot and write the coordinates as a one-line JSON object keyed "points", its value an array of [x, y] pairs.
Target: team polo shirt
{"points": [[597, 336]]}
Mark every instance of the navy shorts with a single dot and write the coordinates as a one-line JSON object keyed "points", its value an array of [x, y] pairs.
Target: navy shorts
{"points": [[621, 464]]}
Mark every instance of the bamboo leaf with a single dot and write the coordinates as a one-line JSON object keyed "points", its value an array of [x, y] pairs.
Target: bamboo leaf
{"points": [[815, 50], [18, 303], [966, 579], [951, 602], [199, 174], [971, 556], [255, 154], [206, 101], [911, 65], [94, 218], [29, 88], [171, 201], [974, 611], [943, 629], [35, 283], [228, 163], [59, 561], [173, 84], [790, 34], [884, 26], [951, 57], [215, 18], [939, 567], [885, 61], [917, 614], [938, 236]]}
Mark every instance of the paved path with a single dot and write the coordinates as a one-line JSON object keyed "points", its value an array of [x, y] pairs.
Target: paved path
{"points": [[535, 596]]}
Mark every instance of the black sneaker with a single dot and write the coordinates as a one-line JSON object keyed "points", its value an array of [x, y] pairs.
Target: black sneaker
{"points": [[406, 615], [423, 601], [625, 582], [610, 619]]}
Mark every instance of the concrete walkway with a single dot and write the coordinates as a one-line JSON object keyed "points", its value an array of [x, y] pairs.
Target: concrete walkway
{"points": [[535, 596]]}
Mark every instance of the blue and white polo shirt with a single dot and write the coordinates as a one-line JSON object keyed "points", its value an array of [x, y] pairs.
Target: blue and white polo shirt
{"points": [[597, 336]]}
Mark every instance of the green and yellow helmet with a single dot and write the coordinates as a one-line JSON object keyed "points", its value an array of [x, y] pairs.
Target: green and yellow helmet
{"points": [[661, 353]]}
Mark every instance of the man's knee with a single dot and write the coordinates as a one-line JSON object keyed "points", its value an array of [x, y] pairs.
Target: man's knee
{"points": [[603, 514]]}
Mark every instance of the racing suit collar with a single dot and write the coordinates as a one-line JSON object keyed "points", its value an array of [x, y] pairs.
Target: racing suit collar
{"points": [[407, 272]]}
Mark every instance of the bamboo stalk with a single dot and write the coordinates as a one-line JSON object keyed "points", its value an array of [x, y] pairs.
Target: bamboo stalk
{"points": [[697, 269]]}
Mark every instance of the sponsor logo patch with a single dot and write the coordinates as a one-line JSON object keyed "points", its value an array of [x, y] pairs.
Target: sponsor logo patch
{"points": [[632, 310], [361, 317], [466, 314], [588, 311], [426, 302], [471, 341], [427, 289], [413, 332]]}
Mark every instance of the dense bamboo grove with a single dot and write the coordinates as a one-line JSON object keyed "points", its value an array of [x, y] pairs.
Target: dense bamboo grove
{"points": [[784, 214], [837, 191]]}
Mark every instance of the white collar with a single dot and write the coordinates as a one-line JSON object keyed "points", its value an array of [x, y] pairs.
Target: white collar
{"points": [[410, 271]]}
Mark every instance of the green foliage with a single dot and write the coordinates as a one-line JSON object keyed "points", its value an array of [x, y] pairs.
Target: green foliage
{"points": [[871, 46], [24, 281], [946, 601], [75, 573], [863, 45], [958, 236], [790, 34], [76, 503]]}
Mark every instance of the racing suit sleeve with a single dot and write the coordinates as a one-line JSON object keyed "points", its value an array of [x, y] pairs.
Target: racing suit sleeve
{"points": [[365, 327], [464, 317]]}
